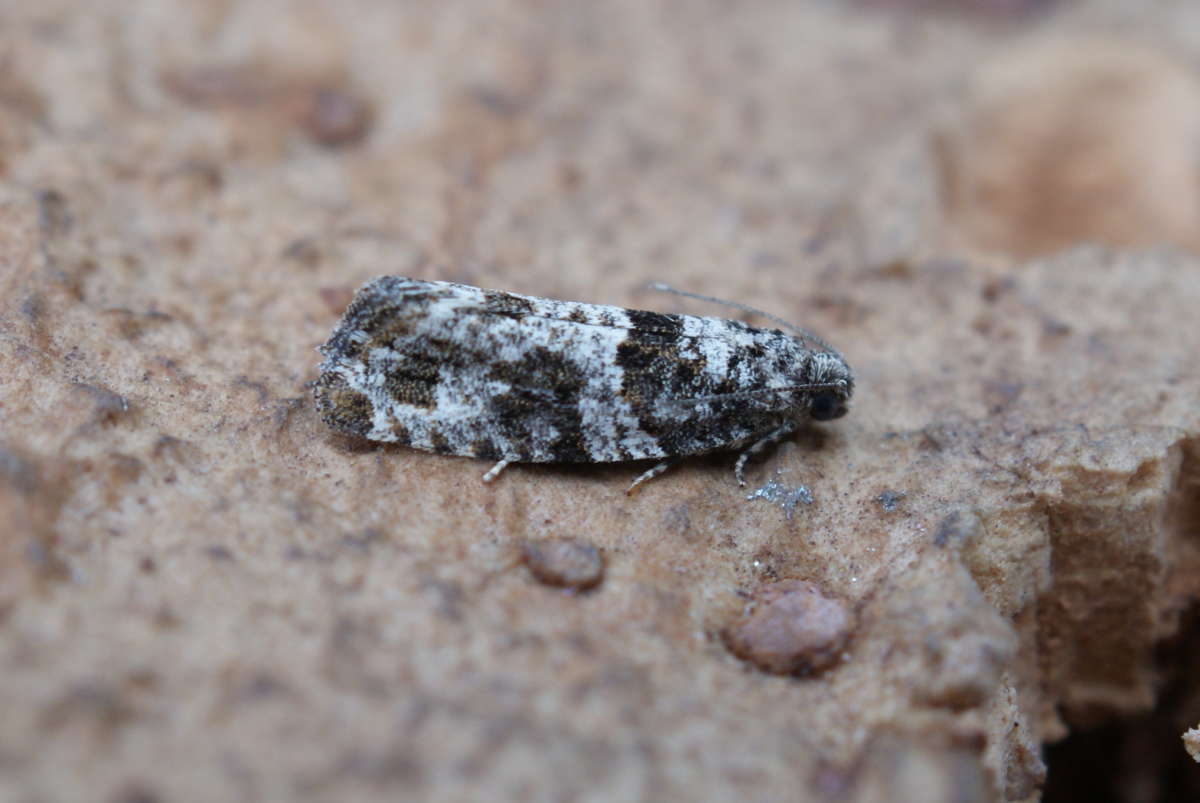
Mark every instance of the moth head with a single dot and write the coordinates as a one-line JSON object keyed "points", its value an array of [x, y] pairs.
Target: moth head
{"points": [[832, 399]]}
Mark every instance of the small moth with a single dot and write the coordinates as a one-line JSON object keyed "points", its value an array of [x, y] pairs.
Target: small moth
{"points": [[459, 370]]}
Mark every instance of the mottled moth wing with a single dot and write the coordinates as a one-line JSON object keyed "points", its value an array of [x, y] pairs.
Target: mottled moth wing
{"points": [[459, 370]]}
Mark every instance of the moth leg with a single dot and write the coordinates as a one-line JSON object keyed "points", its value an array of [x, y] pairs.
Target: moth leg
{"points": [[762, 444], [649, 475], [495, 470]]}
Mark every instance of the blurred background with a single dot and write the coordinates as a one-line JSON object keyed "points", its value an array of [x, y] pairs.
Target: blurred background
{"points": [[191, 191]]}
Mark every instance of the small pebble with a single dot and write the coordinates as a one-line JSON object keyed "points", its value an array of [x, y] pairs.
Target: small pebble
{"points": [[335, 118], [565, 562], [793, 629]]}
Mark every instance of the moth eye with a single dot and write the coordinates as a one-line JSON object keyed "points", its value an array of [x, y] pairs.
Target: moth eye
{"points": [[826, 406]]}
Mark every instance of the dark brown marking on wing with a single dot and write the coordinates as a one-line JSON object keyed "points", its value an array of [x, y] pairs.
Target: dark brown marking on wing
{"points": [[545, 393], [439, 443], [500, 303], [342, 407]]}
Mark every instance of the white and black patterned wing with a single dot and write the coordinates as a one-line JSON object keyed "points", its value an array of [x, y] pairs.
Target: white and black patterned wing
{"points": [[459, 370]]}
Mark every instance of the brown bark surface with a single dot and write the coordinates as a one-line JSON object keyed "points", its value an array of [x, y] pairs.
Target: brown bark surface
{"points": [[207, 595]]}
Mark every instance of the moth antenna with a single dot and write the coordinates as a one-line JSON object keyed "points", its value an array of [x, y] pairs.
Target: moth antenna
{"points": [[666, 288]]}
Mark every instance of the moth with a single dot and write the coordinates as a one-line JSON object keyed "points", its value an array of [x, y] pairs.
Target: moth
{"points": [[459, 370]]}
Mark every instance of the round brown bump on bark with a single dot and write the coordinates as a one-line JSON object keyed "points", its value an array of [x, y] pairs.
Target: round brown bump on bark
{"points": [[335, 118], [794, 628], [565, 562]]}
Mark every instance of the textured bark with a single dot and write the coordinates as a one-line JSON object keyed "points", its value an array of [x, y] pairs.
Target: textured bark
{"points": [[206, 594]]}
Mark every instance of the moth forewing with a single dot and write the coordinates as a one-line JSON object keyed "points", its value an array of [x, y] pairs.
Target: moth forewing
{"points": [[454, 369]]}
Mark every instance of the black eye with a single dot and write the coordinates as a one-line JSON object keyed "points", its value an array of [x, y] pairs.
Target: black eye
{"points": [[825, 406]]}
